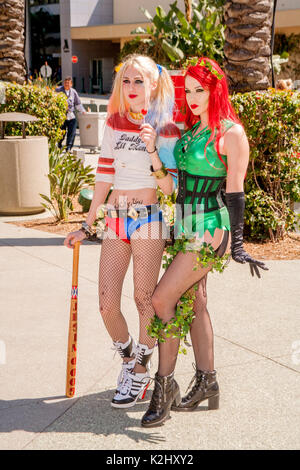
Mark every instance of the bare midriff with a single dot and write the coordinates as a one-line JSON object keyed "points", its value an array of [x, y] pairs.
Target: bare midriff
{"points": [[134, 197]]}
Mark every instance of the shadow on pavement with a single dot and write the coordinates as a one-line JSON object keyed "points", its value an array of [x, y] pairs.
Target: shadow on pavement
{"points": [[31, 241], [86, 414], [51, 241]]}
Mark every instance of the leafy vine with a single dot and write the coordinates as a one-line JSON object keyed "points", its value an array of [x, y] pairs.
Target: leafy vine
{"points": [[179, 325]]}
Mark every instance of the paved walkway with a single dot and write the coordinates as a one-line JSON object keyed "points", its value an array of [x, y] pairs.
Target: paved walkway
{"points": [[257, 351]]}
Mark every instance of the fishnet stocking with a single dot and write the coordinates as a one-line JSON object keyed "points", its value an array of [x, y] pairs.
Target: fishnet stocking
{"points": [[114, 262], [147, 244], [146, 247]]}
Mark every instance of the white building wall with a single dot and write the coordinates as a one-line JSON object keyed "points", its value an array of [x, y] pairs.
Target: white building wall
{"points": [[288, 5], [86, 51], [65, 36], [91, 12], [128, 11]]}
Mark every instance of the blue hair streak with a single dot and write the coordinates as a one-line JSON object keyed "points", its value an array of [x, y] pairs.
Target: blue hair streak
{"points": [[159, 68]]}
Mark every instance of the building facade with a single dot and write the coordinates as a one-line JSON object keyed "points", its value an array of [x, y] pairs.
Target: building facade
{"points": [[94, 31], [43, 42], [287, 19]]}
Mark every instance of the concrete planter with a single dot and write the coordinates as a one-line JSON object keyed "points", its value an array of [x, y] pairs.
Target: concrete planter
{"points": [[24, 167]]}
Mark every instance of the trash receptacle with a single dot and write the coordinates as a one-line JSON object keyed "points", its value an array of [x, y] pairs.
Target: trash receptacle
{"points": [[85, 198], [91, 128], [296, 207], [24, 163]]}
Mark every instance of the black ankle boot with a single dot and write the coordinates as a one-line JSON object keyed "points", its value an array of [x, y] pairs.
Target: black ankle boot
{"points": [[205, 387], [166, 392]]}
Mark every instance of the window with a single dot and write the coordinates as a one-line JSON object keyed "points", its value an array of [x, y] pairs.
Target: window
{"points": [[42, 2]]}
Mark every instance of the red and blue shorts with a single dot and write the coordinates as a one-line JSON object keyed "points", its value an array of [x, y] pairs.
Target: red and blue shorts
{"points": [[124, 227]]}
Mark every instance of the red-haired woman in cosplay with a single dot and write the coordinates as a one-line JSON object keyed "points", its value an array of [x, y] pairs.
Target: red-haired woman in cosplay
{"points": [[214, 150]]}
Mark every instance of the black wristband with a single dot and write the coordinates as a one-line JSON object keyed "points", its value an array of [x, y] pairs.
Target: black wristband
{"points": [[155, 150], [86, 229]]}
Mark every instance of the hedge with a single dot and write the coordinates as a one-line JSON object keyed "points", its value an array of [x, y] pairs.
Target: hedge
{"points": [[272, 123], [43, 102]]}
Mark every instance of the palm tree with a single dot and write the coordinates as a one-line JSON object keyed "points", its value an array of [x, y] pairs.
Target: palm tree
{"points": [[12, 56], [188, 10], [248, 44]]}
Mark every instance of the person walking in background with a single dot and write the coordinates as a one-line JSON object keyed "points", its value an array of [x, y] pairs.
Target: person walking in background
{"points": [[74, 102]]}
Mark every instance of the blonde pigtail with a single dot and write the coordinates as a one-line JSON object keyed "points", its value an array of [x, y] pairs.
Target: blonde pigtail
{"points": [[159, 105]]}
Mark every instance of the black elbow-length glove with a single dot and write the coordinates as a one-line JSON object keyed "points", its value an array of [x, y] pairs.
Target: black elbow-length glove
{"points": [[236, 206]]}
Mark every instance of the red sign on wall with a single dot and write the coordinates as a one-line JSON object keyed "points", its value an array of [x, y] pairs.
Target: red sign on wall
{"points": [[74, 59]]}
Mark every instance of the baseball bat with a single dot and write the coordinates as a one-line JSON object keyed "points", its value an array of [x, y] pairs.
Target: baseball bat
{"points": [[72, 339]]}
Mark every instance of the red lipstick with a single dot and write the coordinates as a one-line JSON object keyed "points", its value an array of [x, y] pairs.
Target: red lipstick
{"points": [[132, 96], [193, 106]]}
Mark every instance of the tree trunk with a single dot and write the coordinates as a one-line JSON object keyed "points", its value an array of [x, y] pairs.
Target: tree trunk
{"points": [[12, 57], [248, 44], [188, 10]]}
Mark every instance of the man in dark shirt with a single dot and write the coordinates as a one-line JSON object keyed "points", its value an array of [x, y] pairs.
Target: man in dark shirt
{"points": [[70, 123]]}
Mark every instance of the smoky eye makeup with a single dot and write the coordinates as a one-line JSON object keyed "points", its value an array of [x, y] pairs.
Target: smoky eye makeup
{"points": [[137, 81], [197, 90]]}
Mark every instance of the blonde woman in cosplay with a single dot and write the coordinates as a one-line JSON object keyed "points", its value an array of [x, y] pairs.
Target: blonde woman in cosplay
{"points": [[136, 157]]}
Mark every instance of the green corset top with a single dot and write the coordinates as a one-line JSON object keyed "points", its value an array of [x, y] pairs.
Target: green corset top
{"points": [[201, 175]]}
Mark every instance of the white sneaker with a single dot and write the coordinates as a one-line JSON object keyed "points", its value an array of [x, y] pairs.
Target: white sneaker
{"points": [[143, 355], [133, 387], [126, 366], [125, 350]]}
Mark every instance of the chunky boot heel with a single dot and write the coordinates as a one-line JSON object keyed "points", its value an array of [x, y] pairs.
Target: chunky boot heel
{"points": [[145, 391], [203, 386], [213, 402], [177, 400], [166, 391]]}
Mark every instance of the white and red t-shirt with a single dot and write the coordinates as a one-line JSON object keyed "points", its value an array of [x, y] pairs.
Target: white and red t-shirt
{"points": [[124, 160]]}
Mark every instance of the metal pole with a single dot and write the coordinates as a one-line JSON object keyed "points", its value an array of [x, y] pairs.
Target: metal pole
{"points": [[2, 129], [272, 42]]}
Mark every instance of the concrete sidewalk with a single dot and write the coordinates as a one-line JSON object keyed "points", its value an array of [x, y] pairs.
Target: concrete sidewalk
{"points": [[257, 356]]}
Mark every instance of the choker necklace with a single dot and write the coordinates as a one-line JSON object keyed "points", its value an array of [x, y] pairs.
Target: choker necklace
{"points": [[136, 116]]}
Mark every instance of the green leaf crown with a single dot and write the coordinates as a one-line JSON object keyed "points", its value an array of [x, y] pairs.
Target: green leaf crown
{"points": [[193, 61]]}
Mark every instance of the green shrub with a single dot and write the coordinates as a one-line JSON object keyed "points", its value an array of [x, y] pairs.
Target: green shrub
{"points": [[171, 38], [43, 102], [67, 176], [272, 123]]}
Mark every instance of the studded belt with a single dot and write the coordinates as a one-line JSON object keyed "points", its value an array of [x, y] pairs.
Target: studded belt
{"points": [[133, 212]]}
